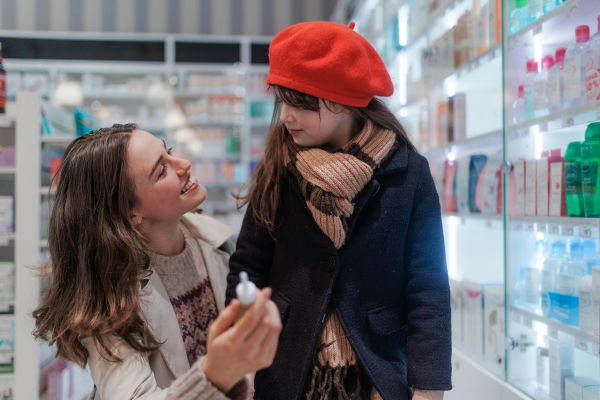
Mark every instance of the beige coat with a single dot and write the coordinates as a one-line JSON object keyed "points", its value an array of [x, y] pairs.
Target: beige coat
{"points": [[142, 377]]}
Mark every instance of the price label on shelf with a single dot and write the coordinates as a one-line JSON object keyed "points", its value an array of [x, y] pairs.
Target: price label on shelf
{"points": [[585, 230], [568, 119], [518, 226], [524, 132], [527, 322], [537, 30], [581, 343], [5, 307], [572, 8], [554, 333], [488, 223], [567, 229], [529, 226], [543, 127], [553, 228], [542, 226], [4, 122]]}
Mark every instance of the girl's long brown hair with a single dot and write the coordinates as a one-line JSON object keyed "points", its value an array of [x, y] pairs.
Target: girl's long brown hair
{"points": [[97, 258], [270, 172]]}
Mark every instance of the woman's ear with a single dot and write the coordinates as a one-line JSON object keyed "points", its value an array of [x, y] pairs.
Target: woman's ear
{"points": [[136, 219]]}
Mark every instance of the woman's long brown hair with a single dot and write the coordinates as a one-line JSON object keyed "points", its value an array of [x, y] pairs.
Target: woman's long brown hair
{"points": [[270, 172], [97, 258]]}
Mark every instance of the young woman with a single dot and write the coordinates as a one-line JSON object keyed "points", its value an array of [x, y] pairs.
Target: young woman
{"points": [[344, 224], [138, 281]]}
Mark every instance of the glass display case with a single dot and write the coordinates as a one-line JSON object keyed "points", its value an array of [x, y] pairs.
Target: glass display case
{"points": [[503, 98]]}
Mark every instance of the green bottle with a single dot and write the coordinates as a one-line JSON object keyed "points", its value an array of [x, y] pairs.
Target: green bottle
{"points": [[590, 179], [573, 190]]}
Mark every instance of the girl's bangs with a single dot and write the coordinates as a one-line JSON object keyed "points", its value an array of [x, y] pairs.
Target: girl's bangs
{"points": [[295, 98]]}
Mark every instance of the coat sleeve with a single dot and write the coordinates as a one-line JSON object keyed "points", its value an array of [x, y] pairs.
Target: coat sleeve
{"points": [[427, 292], [253, 254], [132, 379]]}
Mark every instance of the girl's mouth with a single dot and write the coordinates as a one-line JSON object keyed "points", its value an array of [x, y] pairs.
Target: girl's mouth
{"points": [[190, 185], [294, 131]]}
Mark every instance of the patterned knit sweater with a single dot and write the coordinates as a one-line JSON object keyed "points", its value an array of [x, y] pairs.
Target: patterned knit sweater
{"points": [[186, 281]]}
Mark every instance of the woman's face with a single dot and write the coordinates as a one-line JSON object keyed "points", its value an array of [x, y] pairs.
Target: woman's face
{"points": [[163, 183]]}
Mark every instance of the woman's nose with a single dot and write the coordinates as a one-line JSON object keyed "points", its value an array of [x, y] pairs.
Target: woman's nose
{"points": [[183, 166], [286, 113]]}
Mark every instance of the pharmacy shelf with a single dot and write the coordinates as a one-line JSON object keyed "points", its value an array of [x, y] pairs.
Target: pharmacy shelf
{"points": [[59, 139], [583, 114], [196, 93], [114, 95], [7, 236], [7, 170], [44, 243], [490, 217], [476, 142], [586, 227], [554, 325], [47, 191], [566, 9], [479, 61], [260, 123]]}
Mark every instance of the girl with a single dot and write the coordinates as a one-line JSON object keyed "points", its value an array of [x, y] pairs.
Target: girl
{"points": [[137, 279], [344, 224]]}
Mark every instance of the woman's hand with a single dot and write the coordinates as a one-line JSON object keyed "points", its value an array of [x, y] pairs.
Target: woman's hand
{"points": [[250, 345]]}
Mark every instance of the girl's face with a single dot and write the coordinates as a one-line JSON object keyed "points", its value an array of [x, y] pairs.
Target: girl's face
{"points": [[329, 128], [163, 183]]}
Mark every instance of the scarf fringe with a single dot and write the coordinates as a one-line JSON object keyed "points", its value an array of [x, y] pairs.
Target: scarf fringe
{"points": [[347, 382]]}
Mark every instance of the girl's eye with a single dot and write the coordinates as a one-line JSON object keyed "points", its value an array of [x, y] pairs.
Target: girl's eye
{"points": [[162, 172], [169, 151]]}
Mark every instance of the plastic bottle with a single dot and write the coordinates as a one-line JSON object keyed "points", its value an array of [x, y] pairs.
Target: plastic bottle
{"points": [[519, 107], [573, 188], [519, 290], [518, 17], [574, 70], [556, 87], [549, 274], [570, 274], [586, 302], [590, 178], [540, 92], [550, 5], [246, 294], [534, 10], [535, 263], [530, 76], [589, 249], [592, 67]]}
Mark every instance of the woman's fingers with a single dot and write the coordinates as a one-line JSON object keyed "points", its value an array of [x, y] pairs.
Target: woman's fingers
{"points": [[225, 319], [253, 317], [269, 344]]}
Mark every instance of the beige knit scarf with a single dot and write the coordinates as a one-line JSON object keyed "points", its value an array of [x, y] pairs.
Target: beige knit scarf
{"points": [[330, 181]]}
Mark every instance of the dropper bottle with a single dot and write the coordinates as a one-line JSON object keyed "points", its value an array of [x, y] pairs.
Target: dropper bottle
{"points": [[246, 294]]}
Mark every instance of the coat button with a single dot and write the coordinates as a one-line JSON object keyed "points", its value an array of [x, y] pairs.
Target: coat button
{"points": [[331, 267]]}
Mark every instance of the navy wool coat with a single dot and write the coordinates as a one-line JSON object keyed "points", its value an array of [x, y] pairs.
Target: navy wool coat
{"points": [[388, 283]]}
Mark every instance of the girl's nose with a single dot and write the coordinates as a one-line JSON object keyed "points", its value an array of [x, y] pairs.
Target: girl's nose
{"points": [[183, 166], [286, 113]]}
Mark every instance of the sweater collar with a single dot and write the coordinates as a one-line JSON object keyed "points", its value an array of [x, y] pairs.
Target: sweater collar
{"points": [[396, 162]]}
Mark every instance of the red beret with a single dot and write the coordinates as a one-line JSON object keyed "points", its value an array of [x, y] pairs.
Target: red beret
{"points": [[330, 61]]}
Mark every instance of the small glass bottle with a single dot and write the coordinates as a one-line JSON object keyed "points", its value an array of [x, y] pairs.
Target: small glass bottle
{"points": [[518, 17]]}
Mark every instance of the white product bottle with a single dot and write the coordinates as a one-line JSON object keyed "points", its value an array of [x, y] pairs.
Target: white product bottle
{"points": [[550, 274], [571, 272], [519, 290], [246, 294], [535, 263], [543, 368], [534, 10], [540, 92], [556, 87], [574, 70], [530, 76], [586, 302], [592, 67], [519, 107]]}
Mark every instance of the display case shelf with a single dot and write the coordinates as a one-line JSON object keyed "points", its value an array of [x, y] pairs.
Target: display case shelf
{"points": [[58, 139], [7, 170]]}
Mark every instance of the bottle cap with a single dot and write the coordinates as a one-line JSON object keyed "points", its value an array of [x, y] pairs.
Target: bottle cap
{"points": [[532, 66], [577, 249], [560, 54], [573, 151], [547, 62], [545, 154], [245, 290], [591, 263], [592, 132], [582, 33], [589, 248], [558, 247], [521, 3], [521, 91]]}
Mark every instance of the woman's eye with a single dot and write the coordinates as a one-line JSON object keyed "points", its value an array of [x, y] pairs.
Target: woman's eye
{"points": [[162, 172], [169, 151]]}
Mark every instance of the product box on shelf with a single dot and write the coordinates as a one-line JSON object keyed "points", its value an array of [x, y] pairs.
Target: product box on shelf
{"points": [[574, 386], [491, 198], [591, 393], [558, 205], [461, 41], [462, 185], [494, 323], [519, 192], [457, 119], [473, 316], [542, 186], [7, 156], [7, 280], [7, 214], [495, 21], [476, 178], [530, 187], [562, 366], [449, 201], [7, 384], [456, 304], [7, 332]]}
